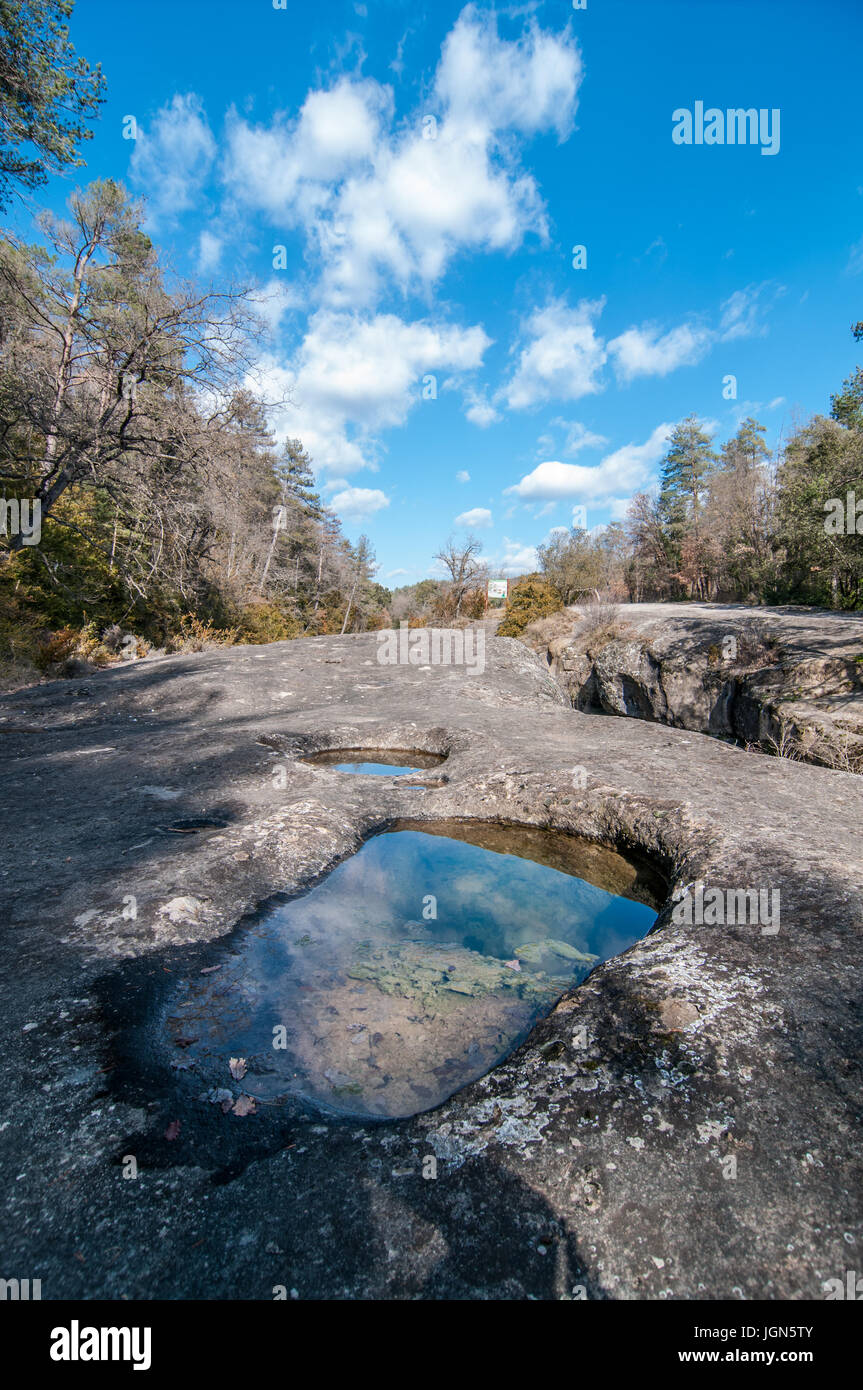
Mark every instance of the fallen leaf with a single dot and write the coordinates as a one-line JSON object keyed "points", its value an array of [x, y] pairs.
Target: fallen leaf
{"points": [[238, 1067], [173, 1130], [244, 1105]]}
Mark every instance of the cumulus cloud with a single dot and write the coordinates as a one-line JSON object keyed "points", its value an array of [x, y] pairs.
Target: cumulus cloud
{"points": [[380, 202], [274, 300], [172, 159], [479, 409], [358, 503], [287, 168], [462, 476], [475, 519], [515, 558], [623, 471], [561, 358], [529, 84], [644, 352], [353, 377], [561, 354]]}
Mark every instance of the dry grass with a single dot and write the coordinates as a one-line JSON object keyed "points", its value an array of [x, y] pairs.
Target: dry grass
{"points": [[540, 634], [841, 751], [198, 636]]}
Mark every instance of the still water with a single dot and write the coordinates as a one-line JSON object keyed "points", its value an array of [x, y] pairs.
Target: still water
{"points": [[382, 765], [412, 969]]}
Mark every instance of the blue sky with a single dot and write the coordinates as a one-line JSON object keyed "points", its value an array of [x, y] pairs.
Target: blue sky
{"points": [[428, 170]]}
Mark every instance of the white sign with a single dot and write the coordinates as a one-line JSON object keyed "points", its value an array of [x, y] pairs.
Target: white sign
{"points": [[497, 588]]}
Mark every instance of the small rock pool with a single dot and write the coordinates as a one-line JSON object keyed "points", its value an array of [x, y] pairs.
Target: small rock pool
{"points": [[381, 763], [413, 968]]}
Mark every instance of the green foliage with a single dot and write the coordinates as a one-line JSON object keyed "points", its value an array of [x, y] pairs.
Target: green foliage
{"points": [[573, 563], [266, 622], [818, 565], [685, 468], [531, 598], [164, 501], [46, 93], [847, 404]]}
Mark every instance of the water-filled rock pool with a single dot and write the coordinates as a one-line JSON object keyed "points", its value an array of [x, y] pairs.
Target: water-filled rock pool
{"points": [[413, 968], [375, 762]]}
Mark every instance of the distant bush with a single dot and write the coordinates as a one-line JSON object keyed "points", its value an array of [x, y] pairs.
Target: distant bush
{"points": [[264, 622], [196, 635], [68, 642], [530, 599]]}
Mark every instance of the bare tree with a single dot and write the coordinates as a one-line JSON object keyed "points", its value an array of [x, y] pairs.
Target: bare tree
{"points": [[110, 366], [463, 565]]}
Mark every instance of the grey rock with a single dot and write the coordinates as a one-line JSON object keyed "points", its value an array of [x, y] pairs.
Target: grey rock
{"points": [[607, 1138]]}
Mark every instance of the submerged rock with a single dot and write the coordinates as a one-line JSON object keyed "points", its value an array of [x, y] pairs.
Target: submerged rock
{"points": [[535, 952], [429, 973]]}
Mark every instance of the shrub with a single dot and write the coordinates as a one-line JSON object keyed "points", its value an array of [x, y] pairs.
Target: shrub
{"points": [[531, 598], [264, 622], [195, 635]]}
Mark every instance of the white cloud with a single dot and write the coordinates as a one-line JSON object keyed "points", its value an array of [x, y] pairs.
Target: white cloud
{"points": [[528, 85], [171, 160], [624, 470], [578, 436], [382, 202], [479, 410], [477, 518], [642, 352], [209, 252], [743, 311], [514, 559], [288, 167], [275, 299], [462, 476], [562, 357], [353, 377], [357, 503], [618, 507]]}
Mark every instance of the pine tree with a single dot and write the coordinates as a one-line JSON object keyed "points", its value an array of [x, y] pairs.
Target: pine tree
{"points": [[298, 480], [685, 470], [46, 93], [746, 452]]}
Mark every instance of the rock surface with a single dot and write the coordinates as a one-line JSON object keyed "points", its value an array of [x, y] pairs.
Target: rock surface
{"points": [[684, 1124], [787, 680]]}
